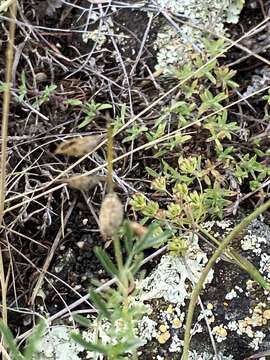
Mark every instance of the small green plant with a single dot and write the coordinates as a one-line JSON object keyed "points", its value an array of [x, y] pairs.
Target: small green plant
{"points": [[134, 132], [119, 120], [178, 246], [220, 129], [91, 109], [216, 199], [22, 93], [44, 96], [118, 313], [210, 101], [31, 345], [22, 88], [202, 181], [267, 97], [224, 78]]}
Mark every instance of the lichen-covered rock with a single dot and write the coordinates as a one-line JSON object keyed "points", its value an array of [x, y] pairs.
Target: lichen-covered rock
{"points": [[204, 356], [172, 277], [234, 308], [57, 345], [176, 43]]}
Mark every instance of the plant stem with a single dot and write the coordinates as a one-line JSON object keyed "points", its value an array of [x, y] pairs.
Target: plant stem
{"points": [[242, 262], [4, 135], [118, 253], [6, 103], [109, 154], [196, 291]]}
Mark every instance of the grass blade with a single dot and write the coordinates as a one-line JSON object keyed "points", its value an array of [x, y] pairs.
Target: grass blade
{"points": [[105, 260], [10, 342]]}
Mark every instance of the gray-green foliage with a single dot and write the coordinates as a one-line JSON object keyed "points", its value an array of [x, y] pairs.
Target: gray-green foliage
{"points": [[118, 314]]}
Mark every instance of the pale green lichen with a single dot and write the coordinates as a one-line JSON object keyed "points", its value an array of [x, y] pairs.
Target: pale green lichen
{"points": [[170, 279], [177, 44], [258, 81], [57, 345], [147, 329], [205, 356], [233, 10]]}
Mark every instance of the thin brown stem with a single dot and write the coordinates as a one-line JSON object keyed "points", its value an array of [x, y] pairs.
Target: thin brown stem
{"points": [[4, 136]]}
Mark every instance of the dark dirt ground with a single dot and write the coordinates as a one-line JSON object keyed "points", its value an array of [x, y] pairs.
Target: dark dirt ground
{"points": [[48, 56]]}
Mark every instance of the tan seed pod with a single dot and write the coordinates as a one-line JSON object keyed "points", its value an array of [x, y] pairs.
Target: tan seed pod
{"points": [[83, 183], [110, 216], [79, 146], [138, 229], [41, 77]]}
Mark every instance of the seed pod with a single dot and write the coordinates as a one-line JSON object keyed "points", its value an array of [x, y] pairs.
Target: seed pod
{"points": [[110, 216], [78, 146], [41, 77], [83, 183]]}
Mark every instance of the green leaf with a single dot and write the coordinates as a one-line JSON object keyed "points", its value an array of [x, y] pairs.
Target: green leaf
{"points": [[125, 347], [128, 236], [100, 304], [106, 261], [82, 320], [89, 346], [4, 87], [73, 102], [34, 340], [137, 263], [104, 106], [86, 121], [220, 97], [151, 172], [151, 240], [211, 77], [10, 342]]}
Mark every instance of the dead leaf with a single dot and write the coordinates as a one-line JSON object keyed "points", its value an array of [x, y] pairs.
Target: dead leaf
{"points": [[79, 146], [83, 183], [138, 229], [110, 216]]}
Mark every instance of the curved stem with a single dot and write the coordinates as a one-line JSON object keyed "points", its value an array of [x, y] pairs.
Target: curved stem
{"points": [[196, 291], [242, 262]]}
